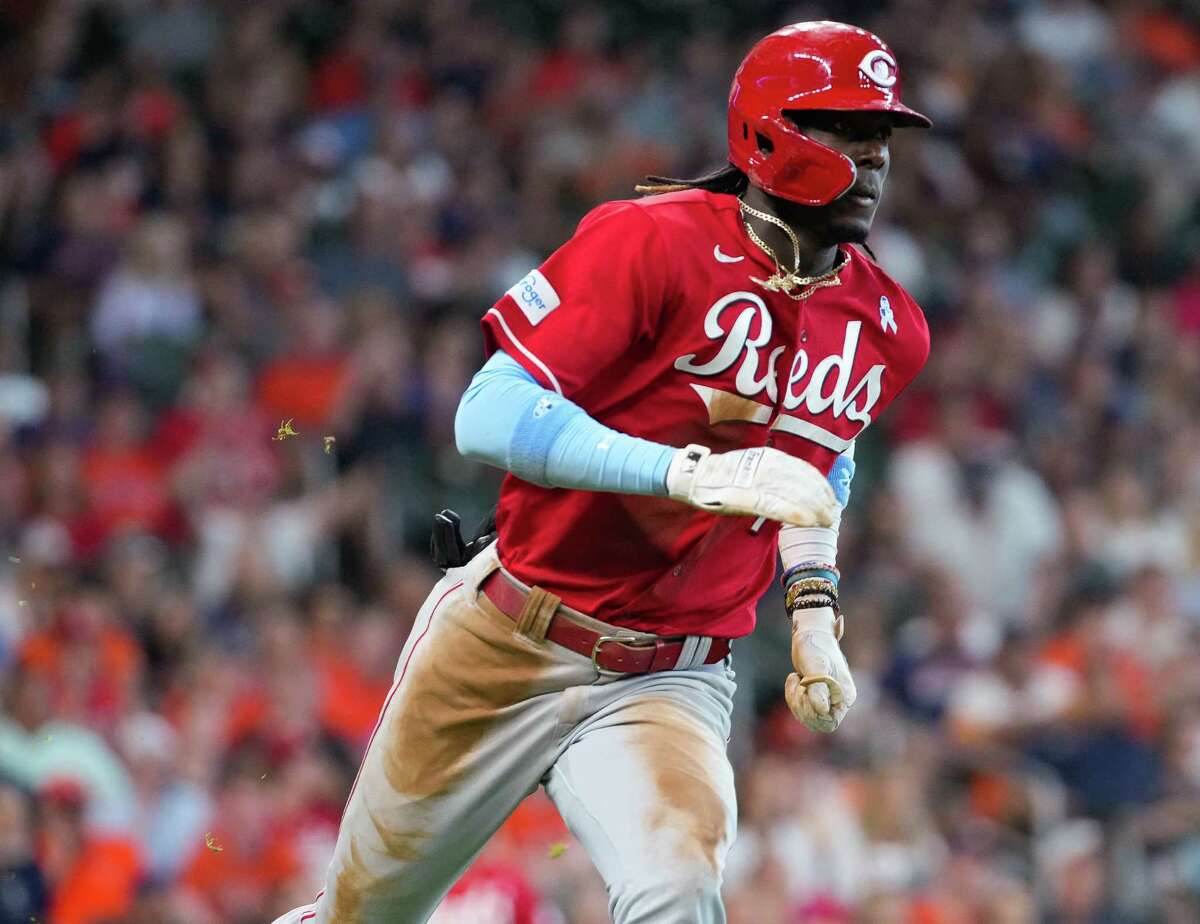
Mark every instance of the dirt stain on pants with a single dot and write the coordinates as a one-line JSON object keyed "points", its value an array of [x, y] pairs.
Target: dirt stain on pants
{"points": [[687, 770], [463, 679]]}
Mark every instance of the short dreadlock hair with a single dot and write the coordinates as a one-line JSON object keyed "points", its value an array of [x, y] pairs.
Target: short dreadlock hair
{"points": [[728, 179]]}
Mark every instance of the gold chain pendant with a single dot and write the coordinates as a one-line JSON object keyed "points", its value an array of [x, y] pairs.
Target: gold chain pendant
{"points": [[784, 280]]}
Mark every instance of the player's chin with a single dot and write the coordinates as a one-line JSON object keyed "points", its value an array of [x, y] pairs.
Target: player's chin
{"points": [[850, 218], [849, 230]]}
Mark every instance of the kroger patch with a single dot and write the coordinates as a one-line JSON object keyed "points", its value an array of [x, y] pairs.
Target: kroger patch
{"points": [[535, 296]]}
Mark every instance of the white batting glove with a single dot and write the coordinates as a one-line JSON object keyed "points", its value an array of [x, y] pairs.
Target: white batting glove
{"points": [[760, 482], [821, 691]]}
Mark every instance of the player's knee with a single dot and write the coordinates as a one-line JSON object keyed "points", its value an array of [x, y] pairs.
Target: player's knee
{"points": [[682, 894]]}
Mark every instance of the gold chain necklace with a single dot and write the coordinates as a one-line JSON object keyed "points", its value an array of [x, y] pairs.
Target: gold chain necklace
{"points": [[784, 280]]}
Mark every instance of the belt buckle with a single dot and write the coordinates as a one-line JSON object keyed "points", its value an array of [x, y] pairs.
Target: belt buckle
{"points": [[624, 640]]}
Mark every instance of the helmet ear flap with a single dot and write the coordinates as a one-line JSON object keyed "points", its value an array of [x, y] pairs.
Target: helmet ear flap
{"points": [[793, 166]]}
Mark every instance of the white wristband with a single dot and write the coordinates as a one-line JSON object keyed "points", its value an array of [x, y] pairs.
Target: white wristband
{"points": [[800, 544]]}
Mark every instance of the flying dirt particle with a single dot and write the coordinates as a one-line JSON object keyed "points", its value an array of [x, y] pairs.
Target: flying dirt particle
{"points": [[285, 430], [14, 559], [211, 843], [556, 850], [329, 441]]}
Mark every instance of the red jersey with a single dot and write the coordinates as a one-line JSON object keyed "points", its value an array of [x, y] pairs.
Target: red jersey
{"points": [[649, 319]]}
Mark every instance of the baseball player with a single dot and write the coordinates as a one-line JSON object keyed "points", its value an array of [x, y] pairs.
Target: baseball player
{"points": [[675, 393]]}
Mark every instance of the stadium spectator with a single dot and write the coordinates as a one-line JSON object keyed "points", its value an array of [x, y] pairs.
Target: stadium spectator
{"points": [[243, 252]]}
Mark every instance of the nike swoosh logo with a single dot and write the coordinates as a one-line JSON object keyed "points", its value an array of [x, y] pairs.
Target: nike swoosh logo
{"points": [[724, 257]]}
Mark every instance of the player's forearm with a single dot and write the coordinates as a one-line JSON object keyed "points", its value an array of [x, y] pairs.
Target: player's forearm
{"points": [[588, 455], [803, 550], [508, 420], [821, 690]]}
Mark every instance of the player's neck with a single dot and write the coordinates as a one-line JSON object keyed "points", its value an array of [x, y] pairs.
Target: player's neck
{"points": [[816, 255]]}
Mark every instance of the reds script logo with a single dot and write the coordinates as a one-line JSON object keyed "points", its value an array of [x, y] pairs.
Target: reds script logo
{"points": [[824, 387]]}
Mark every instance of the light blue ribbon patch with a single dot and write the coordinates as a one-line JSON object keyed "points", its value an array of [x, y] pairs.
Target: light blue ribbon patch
{"points": [[840, 477]]}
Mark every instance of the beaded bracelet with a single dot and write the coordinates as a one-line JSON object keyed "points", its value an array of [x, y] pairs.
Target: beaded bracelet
{"points": [[811, 568], [812, 602], [808, 589]]}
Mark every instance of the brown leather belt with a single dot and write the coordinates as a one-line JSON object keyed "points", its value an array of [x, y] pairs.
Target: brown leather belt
{"points": [[619, 654]]}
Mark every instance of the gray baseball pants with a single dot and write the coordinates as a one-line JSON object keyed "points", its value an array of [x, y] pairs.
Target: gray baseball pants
{"points": [[480, 715]]}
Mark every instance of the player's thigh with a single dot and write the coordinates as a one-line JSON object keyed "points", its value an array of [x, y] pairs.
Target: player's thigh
{"points": [[648, 789], [466, 733]]}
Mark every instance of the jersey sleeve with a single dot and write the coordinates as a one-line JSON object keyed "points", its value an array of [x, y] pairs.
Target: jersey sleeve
{"points": [[599, 293], [916, 335]]}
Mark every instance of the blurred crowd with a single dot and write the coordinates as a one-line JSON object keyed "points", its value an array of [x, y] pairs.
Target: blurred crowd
{"points": [[243, 251]]}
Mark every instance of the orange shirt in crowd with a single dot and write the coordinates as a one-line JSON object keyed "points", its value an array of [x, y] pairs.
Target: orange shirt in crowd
{"points": [[115, 656], [928, 910], [303, 388], [1127, 672], [118, 654], [101, 886], [350, 702], [240, 869]]}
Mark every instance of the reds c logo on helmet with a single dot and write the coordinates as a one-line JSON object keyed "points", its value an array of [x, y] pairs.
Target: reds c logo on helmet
{"points": [[880, 68], [813, 66]]}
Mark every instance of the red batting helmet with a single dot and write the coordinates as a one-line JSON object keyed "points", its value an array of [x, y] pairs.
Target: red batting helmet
{"points": [[809, 65]]}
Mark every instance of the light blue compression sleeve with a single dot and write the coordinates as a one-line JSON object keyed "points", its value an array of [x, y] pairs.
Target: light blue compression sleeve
{"points": [[508, 420]]}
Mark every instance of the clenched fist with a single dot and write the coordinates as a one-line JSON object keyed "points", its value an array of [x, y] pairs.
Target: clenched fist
{"points": [[759, 482], [821, 691]]}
